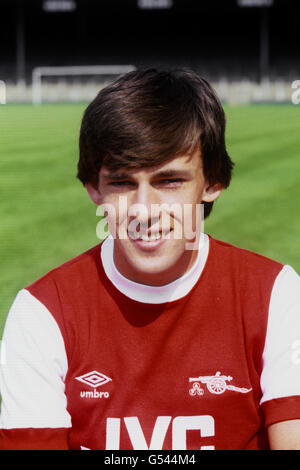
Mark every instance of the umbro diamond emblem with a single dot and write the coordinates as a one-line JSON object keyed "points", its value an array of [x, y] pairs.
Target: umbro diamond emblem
{"points": [[94, 379]]}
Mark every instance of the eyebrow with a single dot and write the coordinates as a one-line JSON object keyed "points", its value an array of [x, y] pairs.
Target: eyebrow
{"points": [[115, 176], [160, 174], [171, 173]]}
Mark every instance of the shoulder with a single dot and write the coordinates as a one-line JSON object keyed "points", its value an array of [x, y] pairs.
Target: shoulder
{"points": [[71, 275], [70, 287], [242, 254], [244, 263], [254, 278], [81, 262]]}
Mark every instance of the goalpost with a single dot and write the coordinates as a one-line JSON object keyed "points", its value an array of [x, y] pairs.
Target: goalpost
{"points": [[2, 92], [39, 72]]}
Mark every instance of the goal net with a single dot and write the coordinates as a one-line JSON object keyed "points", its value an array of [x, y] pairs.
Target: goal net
{"points": [[73, 83]]}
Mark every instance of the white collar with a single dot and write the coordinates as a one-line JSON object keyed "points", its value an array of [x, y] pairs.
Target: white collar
{"points": [[154, 294]]}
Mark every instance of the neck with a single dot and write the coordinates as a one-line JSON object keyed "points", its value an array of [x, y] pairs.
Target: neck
{"points": [[154, 294], [161, 278]]}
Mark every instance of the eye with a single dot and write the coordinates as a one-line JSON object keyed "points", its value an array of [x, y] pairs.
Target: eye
{"points": [[120, 183], [171, 182]]}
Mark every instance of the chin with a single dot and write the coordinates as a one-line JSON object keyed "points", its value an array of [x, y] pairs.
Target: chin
{"points": [[151, 268], [161, 270]]}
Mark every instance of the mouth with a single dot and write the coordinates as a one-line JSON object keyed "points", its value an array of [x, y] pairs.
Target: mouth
{"points": [[149, 237], [149, 241]]}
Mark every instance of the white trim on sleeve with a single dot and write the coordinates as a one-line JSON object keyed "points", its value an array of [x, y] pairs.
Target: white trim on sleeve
{"points": [[33, 372], [281, 357]]}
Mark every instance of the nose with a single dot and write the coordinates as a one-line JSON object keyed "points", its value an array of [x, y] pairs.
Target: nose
{"points": [[144, 203]]}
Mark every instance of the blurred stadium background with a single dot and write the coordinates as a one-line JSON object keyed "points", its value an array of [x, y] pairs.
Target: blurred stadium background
{"points": [[236, 44], [57, 54]]}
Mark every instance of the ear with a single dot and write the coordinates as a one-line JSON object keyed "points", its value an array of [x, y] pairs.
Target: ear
{"points": [[212, 192], [94, 193]]}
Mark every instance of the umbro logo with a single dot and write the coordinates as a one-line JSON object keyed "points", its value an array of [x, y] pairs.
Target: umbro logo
{"points": [[94, 379]]}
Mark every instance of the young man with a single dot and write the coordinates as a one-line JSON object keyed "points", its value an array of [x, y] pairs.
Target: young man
{"points": [[160, 337]]}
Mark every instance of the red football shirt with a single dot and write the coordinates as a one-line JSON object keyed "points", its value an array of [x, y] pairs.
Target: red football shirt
{"points": [[93, 360]]}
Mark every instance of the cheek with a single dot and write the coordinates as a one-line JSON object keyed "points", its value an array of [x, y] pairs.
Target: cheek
{"points": [[116, 209], [189, 220], [193, 220]]}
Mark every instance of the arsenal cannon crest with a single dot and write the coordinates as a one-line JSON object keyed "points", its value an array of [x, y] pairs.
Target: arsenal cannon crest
{"points": [[215, 384]]}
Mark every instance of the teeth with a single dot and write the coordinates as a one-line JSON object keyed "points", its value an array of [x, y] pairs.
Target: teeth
{"points": [[145, 238], [148, 238]]}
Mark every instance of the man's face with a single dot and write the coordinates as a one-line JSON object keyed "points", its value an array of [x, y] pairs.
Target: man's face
{"points": [[155, 217]]}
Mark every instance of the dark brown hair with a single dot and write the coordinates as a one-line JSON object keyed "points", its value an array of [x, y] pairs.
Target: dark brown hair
{"points": [[147, 117]]}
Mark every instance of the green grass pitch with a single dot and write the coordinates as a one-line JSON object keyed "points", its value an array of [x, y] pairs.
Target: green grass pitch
{"points": [[47, 218]]}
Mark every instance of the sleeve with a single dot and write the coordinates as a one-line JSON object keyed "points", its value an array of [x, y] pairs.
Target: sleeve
{"points": [[280, 378], [33, 367]]}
